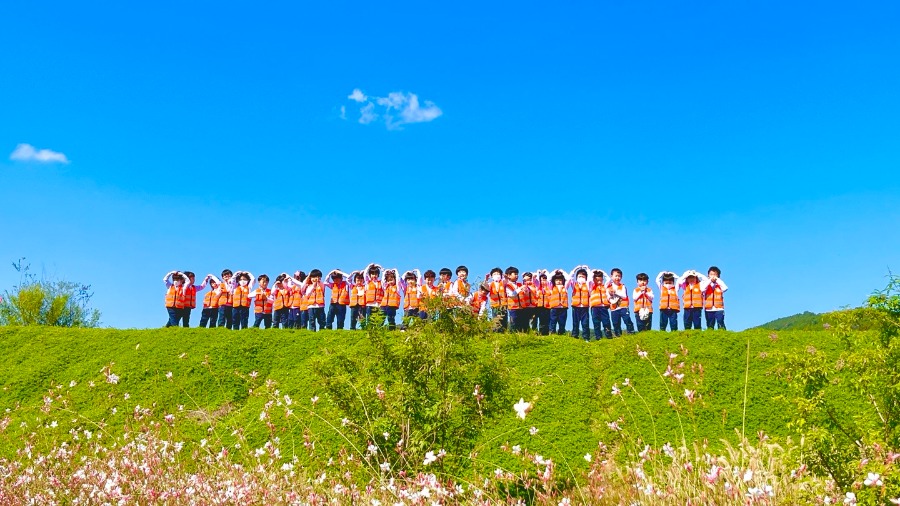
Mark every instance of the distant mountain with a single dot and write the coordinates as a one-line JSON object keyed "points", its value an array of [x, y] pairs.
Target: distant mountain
{"points": [[803, 321]]}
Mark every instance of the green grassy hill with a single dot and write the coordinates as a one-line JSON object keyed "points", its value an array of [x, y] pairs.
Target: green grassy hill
{"points": [[801, 321], [568, 381]]}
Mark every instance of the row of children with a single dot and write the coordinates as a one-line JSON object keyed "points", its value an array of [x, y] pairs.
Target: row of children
{"points": [[540, 302]]}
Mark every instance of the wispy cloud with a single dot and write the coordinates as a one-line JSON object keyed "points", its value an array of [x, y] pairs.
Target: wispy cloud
{"points": [[28, 153], [396, 109]]}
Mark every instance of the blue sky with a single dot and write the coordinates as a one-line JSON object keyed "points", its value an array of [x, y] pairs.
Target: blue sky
{"points": [[756, 136]]}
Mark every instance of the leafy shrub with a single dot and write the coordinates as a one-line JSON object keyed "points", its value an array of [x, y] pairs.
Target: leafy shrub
{"points": [[47, 302]]}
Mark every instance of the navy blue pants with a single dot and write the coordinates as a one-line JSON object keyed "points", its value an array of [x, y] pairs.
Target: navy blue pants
{"points": [[316, 315], [357, 313], [600, 317], [338, 312], [264, 318], [668, 317], [619, 316], [692, 318], [558, 316], [643, 325], [713, 318], [240, 318], [208, 317], [225, 316], [541, 321], [580, 319], [279, 318]]}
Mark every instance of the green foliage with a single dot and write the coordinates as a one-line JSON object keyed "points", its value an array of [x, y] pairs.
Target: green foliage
{"points": [[801, 321], [850, 404], [47, 302], [427, 384]]}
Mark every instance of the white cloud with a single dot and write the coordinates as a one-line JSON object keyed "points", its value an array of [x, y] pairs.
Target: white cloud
{"points": [[357, 95], [396, 109], [27, 153]]}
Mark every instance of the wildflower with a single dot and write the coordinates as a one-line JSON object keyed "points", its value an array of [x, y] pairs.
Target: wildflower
{"points": [[850, 497], [627, 382], [644, 453], [170, 418], [689, 466], [114, 410], [641, 353], [72, 384], [441, 453], [379, 391], [565, 502], [112, 378], [498, 472], [533, 431], [254, 374], [516, 449], [873, 479], [614, 425], [673, 356], [203, 443], [668, 450], [386, 435], [713, 473], [748, 475], [895, 501], [287, 466], [522, 408], [126, 396], [385, 466], [679, 377], [689, 394], [53, 424], [345, 422], [169, 375], [615, 390], [587, 457], [182, 356], [668, 372], [429, 458]]}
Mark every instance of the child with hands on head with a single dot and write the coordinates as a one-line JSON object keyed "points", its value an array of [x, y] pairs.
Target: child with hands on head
{"points": [[581, 296], [669, 305]]}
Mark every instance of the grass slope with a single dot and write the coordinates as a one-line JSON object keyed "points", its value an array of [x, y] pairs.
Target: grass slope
{"points": [[569, 382]]}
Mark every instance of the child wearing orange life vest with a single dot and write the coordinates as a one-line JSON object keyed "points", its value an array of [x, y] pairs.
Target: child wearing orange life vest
{"points": [[210, 312], [479, 300], [429, 291], [558, 300], [499, 304], [713, 287], [374, 290], [340, 299], [240, 300], [412, 294], [315, 299], [643, 303], [357, 298], [669, 305], [174, 281], [513, 301], [691, 299], [460, 287], [542, 287], [225, 288], [599, 303], [280, 299], [297, 307], [262, 303], [444, 284], [190, 296], [526, 298], [390, 304], [581, 298], [618, 303]]}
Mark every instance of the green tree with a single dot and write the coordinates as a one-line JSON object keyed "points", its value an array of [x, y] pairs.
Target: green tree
{"points": [[47, 302]]}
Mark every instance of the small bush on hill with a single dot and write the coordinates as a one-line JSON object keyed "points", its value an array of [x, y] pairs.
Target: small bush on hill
{"points": [[47, 302]]}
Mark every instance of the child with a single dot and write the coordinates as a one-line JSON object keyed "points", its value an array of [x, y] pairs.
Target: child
{"points": [[262, 303], [444, 284], [460, 287], [226, 286], [429, 291], [357, 298], [190, 296], [618, 303], [240, 300], [692, 299], [559, 302], [412, 293], [374, 290], [210, 312], [174, 296], [542, 290], [498, 298], [599, 303], [643, 303], [581, 298], [391, 301], [513, 304], [280, 302], [479, 300], [315, 299], [340, 299], [669, 306], [712, 288], [526, 298], [297, 310]]}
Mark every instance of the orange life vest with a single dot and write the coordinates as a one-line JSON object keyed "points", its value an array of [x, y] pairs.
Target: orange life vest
{"points": [[477, 299], [411, 298], [581, 295], [599, 297], [668, 298], [279, 301], [211, 299], [224, 296], [541, 296], [643, 301], [559, 297], [241, 296], [692, 297], [527, 297], [462, 288], [429, 290], [190, 296], [391, 296], [498, 293], [356, 298], [316, 296], [374, 292], [262, 304], [340, 293], [175, 297], [514, 301], [623, 302], [444, 287], [713, 298]]}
